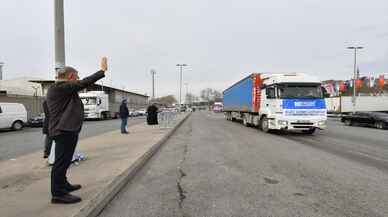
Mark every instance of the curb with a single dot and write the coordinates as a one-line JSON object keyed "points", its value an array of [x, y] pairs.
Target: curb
{"points": [[94, 206]]}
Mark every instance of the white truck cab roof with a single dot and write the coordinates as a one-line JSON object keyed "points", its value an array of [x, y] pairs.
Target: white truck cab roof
{"points": [[269, 79]]}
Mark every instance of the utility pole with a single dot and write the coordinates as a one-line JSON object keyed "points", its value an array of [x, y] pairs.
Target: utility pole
{"points": [[354, 76], [187, 92], [59, 36], [180, 85], [1, 70], [153, 72]]}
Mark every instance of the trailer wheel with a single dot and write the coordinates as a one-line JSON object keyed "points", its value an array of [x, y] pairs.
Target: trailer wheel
{"points": [[379, 125], [264, 124], [348, 122], [245, 121]]}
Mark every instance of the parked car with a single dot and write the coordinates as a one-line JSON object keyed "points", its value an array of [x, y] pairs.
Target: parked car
{"points": [[133, 113], [36, 121], [374, 119], [12, 115], [142, 112]]}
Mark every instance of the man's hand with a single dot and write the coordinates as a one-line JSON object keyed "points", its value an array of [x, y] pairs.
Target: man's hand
{"points": [[104, 64]]}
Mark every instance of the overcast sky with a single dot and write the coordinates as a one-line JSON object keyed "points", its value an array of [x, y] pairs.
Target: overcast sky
{"points": [[220, 40]]}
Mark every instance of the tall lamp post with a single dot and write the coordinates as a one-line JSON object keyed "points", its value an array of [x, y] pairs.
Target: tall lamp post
{"points": [[1, 70], [59, 35], [187, 92], [153, 72], [180, 84], [354, 75]]}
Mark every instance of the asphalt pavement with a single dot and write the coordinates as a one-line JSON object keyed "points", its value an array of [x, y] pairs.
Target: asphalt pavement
{"points": [[17, 143], [213, 167]]}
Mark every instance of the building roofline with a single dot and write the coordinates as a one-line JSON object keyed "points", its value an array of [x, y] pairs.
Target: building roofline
{"points": [[104, 86]]}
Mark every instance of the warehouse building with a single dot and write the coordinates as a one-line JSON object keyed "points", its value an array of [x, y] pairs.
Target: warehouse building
{"points": [[31, 93]]}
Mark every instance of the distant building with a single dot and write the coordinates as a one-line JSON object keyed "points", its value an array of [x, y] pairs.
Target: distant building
{"points": [[31, 92], [21, 86], [135, 100]]}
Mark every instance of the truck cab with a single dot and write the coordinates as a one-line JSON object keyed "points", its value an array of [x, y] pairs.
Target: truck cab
{"points": [[96, 105], [292, 102]]}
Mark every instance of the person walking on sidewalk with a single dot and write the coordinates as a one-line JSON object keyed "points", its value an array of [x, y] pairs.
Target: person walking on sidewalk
{"points": [[66, 114], [48, 141], [124, 114]]}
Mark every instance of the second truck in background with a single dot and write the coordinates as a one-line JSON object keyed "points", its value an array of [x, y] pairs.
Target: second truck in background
{"points": [[98, 106], [291, 101]]}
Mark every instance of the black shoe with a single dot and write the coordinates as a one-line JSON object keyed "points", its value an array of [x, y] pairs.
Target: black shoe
{"points": [[66, 199], [70, 188]]}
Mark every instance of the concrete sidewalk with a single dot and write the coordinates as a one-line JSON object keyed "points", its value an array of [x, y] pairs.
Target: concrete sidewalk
{"points": [[112, 159]]}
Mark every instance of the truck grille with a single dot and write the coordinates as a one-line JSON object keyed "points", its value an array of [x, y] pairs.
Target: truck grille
{"points": [[300, 123]]}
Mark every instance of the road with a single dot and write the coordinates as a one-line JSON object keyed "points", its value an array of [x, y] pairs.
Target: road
{"points": [[212, 167], [14, 144]]}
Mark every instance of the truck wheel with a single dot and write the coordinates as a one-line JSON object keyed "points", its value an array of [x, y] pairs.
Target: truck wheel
{"points": [[245, 121], [264, 124], [348, 122], [17, 125], [379, 125], [310, 131]]}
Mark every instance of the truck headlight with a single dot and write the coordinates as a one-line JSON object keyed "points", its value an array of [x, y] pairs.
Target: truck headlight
{"points": [[321, 123], [282, 122]]}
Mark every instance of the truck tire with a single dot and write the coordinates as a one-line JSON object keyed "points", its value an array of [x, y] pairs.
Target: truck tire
{"points": [[245, 121], [17, 125], [264, 124], [309, 132], [379, 125], [348, 122]]}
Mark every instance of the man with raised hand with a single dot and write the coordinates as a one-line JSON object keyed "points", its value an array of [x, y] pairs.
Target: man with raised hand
{"points": [[66, 117]]}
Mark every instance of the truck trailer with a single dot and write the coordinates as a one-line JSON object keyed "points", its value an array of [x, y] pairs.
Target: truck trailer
{"points": [[344, 104], [97, 105], [284, 101]]}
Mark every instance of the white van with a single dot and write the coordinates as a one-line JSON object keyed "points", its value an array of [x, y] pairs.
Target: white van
{"points": [[12, 115]]}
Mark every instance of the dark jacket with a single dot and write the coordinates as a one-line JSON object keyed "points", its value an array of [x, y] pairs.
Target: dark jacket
{"points": [[152, 115], [124, 113], [65, 108], [46, 118]]}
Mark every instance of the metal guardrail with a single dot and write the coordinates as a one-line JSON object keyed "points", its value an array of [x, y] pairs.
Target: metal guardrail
{"points": [[167, 119]]}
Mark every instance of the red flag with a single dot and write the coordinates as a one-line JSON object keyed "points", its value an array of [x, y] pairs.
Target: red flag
{"points": [[381, 81], [358, 84], [341, 87]]}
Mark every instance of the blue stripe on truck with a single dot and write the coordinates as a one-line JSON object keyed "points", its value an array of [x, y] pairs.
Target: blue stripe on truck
{"points": [[304, 104]]}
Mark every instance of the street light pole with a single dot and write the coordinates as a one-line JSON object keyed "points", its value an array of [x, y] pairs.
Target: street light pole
{"points": [[59, 35], [187, 92], [153, 72], [180, 85], [1, 70], [354, 75]]}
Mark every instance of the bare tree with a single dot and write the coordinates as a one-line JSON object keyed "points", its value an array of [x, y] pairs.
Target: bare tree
{"points": [[165, 100]]}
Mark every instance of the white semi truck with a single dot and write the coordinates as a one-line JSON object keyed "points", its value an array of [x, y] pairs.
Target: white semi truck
{"points": [[287, 101], [96, 105]]}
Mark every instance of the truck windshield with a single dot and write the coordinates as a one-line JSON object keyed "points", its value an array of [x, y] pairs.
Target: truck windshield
{"points": [[299, 91], [89, 100]]}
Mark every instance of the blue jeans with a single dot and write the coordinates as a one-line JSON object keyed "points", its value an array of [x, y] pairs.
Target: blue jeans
{"points": [[124, 122]]}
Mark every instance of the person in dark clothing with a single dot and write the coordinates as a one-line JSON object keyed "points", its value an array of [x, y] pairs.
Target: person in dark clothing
{"points": [[152, 115], [66, 114], [48, 141], [124, 114]]}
